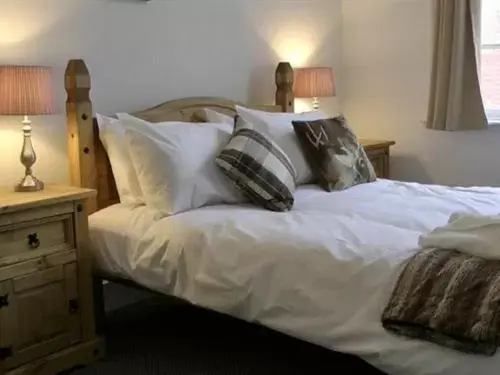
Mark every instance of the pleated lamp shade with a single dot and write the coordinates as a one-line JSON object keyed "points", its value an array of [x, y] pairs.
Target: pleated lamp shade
{"points": [[315, 82], [26, 91]]}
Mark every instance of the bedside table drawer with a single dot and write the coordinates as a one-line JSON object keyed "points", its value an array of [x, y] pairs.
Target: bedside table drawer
{"points": [[37, 236]]}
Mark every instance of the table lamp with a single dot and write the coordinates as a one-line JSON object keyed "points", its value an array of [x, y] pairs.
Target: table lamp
{"points": [[26, 91], [316, 82]]}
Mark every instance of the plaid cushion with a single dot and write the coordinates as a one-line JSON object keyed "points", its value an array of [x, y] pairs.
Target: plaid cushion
{"points": [[259, 167]]}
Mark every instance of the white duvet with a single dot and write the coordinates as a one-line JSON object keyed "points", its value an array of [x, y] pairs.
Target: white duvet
{"points": [[322, 272]]}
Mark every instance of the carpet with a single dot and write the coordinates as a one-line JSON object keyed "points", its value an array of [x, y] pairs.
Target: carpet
{"points": [[160, 336]]}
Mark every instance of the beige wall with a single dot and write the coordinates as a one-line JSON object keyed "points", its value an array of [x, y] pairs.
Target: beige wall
{"points": [[142, 53], [387, 49]]}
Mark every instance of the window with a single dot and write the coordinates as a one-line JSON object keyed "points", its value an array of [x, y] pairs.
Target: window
{"points": [[490, 58]]}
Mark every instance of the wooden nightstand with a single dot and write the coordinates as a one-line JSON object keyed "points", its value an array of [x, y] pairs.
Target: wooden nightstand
{"points": [[46, 300], [379, 154]]}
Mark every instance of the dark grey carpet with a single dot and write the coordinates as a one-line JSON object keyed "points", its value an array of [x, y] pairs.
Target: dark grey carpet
{"points": [[158, 336]]}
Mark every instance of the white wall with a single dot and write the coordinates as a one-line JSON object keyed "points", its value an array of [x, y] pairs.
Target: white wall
{"points": [[141, 54], [387, 50]]}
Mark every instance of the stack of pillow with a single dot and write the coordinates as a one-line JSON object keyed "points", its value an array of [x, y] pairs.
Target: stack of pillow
{"points": [[256, 157]]}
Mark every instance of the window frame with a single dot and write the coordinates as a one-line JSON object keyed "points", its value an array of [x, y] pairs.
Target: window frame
{"points": [[492, 115]]}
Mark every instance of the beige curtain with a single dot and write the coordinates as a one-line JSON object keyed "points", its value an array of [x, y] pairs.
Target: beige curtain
{"points": [[455, 98]]}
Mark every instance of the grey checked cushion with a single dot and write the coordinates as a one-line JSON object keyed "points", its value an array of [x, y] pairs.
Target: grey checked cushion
{"points": [[259, 167]]}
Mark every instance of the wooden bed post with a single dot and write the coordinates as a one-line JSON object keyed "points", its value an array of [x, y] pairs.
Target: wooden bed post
{"points": [[284, 87], [80, 128]]}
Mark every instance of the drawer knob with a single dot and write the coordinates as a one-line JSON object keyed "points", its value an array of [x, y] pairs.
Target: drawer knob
{"points": [[33, 241]]}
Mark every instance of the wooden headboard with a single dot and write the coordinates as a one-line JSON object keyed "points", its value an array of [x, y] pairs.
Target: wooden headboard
{"points": [[89, 164]]}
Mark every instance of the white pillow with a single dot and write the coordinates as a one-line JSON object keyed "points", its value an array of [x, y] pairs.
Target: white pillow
{"points": [[214, 116], [280, 129], [175, 165], [112, 136], [134, 122]]}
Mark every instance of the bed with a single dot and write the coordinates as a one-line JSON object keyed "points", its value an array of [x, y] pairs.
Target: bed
{"points": [[322, 272]]}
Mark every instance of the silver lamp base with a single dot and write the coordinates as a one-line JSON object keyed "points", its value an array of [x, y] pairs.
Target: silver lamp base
{"points": [[29, 183], [315, 103]]}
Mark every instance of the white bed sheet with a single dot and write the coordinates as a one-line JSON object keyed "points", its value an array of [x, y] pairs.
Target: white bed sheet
{"points": [[322, 272]]}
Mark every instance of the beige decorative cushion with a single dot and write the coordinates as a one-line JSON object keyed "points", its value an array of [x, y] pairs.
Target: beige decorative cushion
{"points": [[334, 153]]}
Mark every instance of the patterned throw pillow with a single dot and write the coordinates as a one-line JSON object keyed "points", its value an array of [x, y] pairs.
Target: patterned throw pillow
{"points": [[258, 167], [334, 153]]}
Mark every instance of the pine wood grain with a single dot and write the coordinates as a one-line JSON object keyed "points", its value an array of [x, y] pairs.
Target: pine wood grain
{"points": [[369, 144], [81, 150], [85, 272], [11, 201], [284, 79], [378, 151], [48, 322], [51, 233]]}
